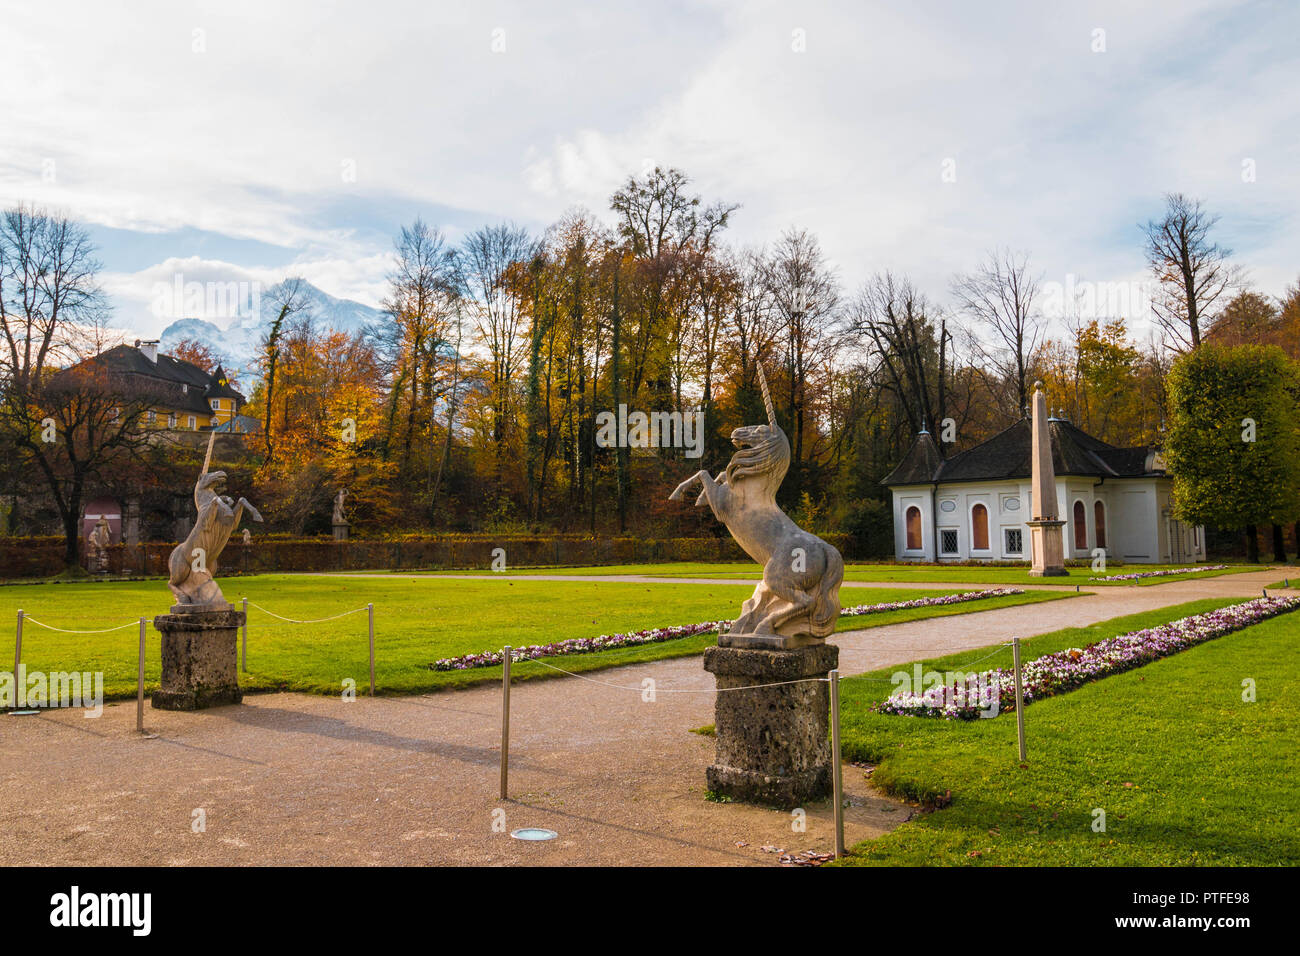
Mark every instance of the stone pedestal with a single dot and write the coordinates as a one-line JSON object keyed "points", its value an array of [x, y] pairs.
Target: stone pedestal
{"points": [[773, 741], [341, 531], [1048, 548], [200, 666]]}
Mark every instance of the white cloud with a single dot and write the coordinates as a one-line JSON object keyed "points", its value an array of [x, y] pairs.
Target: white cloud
{"points": [[1059, 151]]}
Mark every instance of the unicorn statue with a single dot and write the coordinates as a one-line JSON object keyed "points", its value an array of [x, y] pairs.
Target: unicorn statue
{"points": [[798, 600], [194, 560]]}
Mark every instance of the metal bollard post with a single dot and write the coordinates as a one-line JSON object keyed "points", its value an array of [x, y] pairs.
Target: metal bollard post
{"points": [[837, 772], [243, 649], [508, 653], [370, 610], [139, 684], [1020, 699], [18, 644], [20, 685]]}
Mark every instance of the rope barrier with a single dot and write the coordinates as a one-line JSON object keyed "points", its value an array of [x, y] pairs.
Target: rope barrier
{"points": [[63, 630], [680, 690], [319, 620]]}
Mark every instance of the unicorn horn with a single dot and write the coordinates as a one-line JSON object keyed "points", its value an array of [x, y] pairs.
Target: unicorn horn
{"points": [[767, 398], [207, 459]]}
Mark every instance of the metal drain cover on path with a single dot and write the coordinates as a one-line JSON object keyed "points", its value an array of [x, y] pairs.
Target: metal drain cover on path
{"points": [[533, 834]]}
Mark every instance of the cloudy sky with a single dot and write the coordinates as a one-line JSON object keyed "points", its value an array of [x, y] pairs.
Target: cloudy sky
{"points": [[248, 141]]}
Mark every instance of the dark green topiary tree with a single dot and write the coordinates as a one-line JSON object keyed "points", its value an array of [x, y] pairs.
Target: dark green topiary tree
{"points": [[1234, 440]]}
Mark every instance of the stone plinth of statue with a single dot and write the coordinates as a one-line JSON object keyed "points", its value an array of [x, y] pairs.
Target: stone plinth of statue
{"points": [[1046, 540], [200, 666], [341, 530], [773, 740]]}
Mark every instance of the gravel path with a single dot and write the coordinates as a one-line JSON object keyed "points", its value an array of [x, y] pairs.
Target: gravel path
{"points": [[301, 779]]}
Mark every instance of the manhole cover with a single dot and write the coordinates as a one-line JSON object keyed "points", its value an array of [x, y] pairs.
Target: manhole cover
{"points": [[533, 833]]}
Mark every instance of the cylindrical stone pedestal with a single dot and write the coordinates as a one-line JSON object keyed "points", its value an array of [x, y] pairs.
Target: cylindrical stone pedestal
{"points": [[341, 531], [773, 741], [200, 667]]}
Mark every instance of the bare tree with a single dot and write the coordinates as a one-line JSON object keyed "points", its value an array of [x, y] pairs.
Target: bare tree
{"points": [[898, 324], [805, 297], [50, 300], [1193, 273], [496, 259], [67, 426], [999, 296], [421, 302]]}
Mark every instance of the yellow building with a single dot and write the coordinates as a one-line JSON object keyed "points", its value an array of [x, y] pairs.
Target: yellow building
{"points": [[190, 398]]}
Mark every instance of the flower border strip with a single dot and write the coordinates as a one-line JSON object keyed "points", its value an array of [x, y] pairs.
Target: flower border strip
{"points": [[1161, 574], [655, 635], [1066, 670]]}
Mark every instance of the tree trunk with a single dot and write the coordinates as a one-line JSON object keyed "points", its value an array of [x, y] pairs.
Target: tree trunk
{"points": [[1252, 544], [70, 538], [1279, 545]]}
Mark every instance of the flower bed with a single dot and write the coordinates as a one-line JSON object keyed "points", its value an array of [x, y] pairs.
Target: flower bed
{"points": [[1063, 671], [608, 642], [1161, 574]]}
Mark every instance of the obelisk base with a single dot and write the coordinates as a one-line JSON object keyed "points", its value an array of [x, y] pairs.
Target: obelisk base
{"points": [[1048, 548], [200, 667], [773, 744]]}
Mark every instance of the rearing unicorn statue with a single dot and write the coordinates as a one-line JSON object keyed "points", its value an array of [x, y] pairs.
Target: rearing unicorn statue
{"points": [[798, 600]]}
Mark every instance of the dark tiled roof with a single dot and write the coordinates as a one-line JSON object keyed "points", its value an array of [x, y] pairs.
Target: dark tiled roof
{"points": [[220, 387], [186, 386], [1007, 456], [919, 465]]}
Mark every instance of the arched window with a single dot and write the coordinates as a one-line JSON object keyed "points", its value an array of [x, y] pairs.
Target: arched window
{"points": [[913, 528], [1080, 526], [979, 528], [1099, 514]]}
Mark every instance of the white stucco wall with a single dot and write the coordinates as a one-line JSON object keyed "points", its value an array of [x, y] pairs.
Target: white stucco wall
{"points": [[1138, 526]]}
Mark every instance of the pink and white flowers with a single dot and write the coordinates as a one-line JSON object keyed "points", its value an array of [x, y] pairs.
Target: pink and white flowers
{"points": [[1063, 671], [1160, 574], [607, 642]]}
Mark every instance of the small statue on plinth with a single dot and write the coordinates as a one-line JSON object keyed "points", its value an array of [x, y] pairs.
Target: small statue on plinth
{"points": [[340, 521], [771, 664], [199, 665], [97, 544]]}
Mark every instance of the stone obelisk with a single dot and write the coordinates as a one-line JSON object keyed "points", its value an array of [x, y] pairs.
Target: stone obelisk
{"points": [[1046, 543]]}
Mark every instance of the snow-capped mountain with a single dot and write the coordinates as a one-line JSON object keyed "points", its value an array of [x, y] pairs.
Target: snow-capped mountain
{"points": [[237, 344]]}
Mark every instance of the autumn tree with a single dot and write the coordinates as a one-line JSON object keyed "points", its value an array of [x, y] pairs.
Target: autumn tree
{"points": [[196, 353]]}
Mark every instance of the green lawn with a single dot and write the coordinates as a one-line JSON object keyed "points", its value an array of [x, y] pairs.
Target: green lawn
{"points": [[1186, 772], [890, 573], [418, 619]]}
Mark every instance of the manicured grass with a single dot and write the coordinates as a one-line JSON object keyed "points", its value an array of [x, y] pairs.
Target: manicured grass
{"points": [[891, 573], [1185, 770], [418, 619]]}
